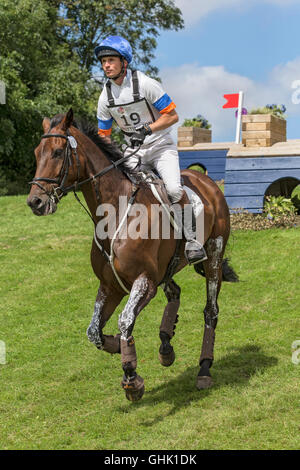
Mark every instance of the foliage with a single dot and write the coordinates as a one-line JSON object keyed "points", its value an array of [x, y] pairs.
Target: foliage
{"points": [[277, 206], [47, 64], [278, 111], [3, 184], [197, 167], [198, 121], [295, 198], [87, 22]]}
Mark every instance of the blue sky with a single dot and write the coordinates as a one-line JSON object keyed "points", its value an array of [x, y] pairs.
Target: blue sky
{"points": [[228, 46]]}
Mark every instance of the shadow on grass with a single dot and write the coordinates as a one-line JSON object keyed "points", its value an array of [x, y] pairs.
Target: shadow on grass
{"points": [[235, 369]]}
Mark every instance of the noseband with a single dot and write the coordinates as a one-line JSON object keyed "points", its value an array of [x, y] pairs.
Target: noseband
{"points": [[67, 163]]}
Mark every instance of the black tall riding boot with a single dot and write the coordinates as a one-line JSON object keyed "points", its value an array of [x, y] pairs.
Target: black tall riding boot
{"points": [[194, 250]]}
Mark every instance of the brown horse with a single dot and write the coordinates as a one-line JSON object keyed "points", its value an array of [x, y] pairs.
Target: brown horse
{"points": [[68, 159]]}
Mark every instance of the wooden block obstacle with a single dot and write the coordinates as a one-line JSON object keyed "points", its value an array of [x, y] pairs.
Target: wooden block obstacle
{"points": [[262, 130], [247, 179], [189, 136]]}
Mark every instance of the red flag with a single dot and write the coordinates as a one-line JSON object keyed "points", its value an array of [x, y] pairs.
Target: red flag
{"points": [[232, 101]]}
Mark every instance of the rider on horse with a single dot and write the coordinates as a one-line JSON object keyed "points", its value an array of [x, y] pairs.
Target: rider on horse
{"points": [[145, 114]]}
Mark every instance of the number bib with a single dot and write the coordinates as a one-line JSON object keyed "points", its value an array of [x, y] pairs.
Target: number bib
{"points": [[129, 116]]}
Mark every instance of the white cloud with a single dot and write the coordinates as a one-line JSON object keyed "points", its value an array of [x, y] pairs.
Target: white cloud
{"points": [[200, 90], [194, 10]]}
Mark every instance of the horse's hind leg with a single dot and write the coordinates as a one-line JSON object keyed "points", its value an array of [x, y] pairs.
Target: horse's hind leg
{"points": [[142, 291], [213, 274], [106, 302], [167, 326]]}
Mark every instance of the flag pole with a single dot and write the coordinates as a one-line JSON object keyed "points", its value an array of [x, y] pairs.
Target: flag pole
{"points": [[239, 117]]}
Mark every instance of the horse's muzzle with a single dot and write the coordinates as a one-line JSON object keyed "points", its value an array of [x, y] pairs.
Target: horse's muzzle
{"points": [[41, 205]]}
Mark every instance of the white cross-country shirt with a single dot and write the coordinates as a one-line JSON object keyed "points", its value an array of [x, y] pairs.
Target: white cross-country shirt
{"points": [[127, 113]]}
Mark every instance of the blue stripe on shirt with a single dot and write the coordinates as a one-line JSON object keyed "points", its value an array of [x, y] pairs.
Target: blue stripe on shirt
{"points": [[105, 125], [163, 102]]}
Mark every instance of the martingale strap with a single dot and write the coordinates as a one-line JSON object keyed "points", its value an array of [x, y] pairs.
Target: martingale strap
{"points": [[112, 255], [67, 162]]}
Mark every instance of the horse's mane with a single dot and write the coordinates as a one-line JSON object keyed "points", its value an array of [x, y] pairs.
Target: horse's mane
{"points": [[111, 150]]}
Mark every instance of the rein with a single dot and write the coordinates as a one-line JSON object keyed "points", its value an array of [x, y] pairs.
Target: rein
{"points": [[67, 162]]}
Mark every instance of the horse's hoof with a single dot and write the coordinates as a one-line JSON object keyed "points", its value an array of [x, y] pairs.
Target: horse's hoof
{"points": [[134, 389], [204, 382], [134, 395], [167, 360]]}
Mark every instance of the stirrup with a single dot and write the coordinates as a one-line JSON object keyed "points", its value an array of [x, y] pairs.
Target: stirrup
{"points": [[194, 252]]}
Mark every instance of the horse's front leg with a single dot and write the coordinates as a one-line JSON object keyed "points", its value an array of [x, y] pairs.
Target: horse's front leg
{"points": [[213, 274], [106, 302], [142, 291]]}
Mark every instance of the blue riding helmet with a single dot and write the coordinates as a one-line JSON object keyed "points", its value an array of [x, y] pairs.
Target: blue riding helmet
{"points": [[114, 45]]}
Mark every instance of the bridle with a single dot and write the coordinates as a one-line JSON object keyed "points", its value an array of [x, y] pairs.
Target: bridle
{"points": [[67, 163], [71, 148]]}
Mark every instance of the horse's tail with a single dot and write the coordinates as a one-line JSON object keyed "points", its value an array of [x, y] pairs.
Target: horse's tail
{"points": [[228, 273]]}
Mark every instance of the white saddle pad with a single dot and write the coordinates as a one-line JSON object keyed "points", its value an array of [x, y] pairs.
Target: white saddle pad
{"points": [[198, 209]]}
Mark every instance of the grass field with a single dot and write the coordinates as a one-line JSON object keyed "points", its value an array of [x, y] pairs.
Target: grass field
{"points": [[59, 392]]}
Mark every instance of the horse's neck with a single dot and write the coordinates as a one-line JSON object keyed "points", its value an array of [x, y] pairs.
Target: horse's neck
{"points": [[103, 189]]}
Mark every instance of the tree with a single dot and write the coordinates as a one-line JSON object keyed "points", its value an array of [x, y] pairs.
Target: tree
{"points": [[27, 41], [47, 60], [86, 22]]}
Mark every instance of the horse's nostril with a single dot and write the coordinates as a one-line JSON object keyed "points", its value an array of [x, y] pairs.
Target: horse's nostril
{"points": [[34, 202]]}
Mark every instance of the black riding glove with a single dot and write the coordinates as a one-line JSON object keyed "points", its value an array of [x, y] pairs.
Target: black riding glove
{"points": [[138, 137]]}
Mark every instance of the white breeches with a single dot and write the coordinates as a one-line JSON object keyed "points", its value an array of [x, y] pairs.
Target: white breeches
{"points": [[163, 156]]}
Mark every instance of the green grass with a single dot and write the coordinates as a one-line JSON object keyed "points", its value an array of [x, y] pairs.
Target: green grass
{"points": [[59, 392], [197, 168]]}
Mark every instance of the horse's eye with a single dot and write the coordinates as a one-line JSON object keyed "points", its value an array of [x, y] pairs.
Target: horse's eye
{"points": [[57, 153]]}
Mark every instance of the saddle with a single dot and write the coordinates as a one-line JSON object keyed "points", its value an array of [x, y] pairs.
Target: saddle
{"points": [[152, 179]]}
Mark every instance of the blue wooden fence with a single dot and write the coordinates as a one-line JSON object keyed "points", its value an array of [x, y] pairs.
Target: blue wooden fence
{"points": [[247, 179], [213, 161]]}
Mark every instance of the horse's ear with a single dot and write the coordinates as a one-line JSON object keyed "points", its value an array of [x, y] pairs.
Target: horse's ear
{"points": [[46, 125], [68, 119]]}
